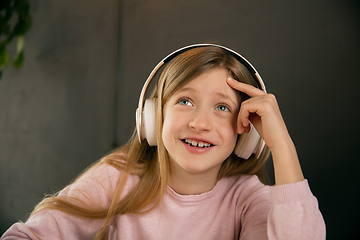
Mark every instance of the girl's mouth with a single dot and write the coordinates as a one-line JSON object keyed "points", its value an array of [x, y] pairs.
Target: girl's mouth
{"points": [[194, 143]]}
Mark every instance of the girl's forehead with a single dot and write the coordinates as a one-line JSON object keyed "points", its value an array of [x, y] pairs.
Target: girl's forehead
{"points": [[215, 75], [212, 82]]}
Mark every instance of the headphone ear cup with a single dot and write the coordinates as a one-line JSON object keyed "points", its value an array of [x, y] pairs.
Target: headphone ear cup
{"points": [[248, 143], [148, 122]]}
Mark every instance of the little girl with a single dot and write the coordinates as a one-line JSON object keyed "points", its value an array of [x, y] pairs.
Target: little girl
{"points": [[185, 181]]}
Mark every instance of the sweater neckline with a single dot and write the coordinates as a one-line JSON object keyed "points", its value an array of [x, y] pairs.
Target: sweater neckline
{"points": [[195, 198]]}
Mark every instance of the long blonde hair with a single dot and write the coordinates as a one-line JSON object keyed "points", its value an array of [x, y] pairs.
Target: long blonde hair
{"points": [[151, 164]]}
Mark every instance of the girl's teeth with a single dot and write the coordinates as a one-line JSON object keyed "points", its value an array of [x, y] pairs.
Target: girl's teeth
{"points": [[194, 143]]}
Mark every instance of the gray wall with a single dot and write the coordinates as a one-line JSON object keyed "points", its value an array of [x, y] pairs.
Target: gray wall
{"points": [[57, 112]]}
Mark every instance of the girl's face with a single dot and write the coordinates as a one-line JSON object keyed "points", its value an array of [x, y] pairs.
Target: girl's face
{"points": [[199, 129]]}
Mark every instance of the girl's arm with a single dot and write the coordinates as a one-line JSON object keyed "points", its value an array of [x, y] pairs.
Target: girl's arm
{"points": [[93, 189], [280, 212], [294, 213], [53, 224], [263, 111]]}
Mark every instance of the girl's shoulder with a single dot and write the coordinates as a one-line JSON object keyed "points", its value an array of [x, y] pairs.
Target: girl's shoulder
{"points": [[244, 183], [249, 188], [245, 190], [97, 185]]}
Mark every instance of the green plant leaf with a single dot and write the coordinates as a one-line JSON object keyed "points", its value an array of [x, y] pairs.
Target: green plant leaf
{"points": [[20, 44], [22, 26], [19, 58], [4, 59], [4, 4], [18, 13], [22, 6], [4, 27], [8, 13], [18, 62]]}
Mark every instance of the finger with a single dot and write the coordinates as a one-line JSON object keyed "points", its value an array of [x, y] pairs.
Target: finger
{"points": [[245, 88], [249, 110], [257, 109], [242, 129], [243, 121], [243, 124]]}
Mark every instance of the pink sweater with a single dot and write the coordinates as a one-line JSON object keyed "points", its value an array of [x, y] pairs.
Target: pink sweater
{"points": [[238, 207]]}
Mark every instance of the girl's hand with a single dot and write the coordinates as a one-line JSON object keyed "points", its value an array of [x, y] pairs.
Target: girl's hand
{"points": [[264, 113]]}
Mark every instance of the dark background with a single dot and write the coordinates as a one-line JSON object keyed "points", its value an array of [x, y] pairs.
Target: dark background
{"points": [[86, 61]]}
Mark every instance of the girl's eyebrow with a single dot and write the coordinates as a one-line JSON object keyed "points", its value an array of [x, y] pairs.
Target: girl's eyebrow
{"points": [[219, 94], [226, 97], [184, 89]]}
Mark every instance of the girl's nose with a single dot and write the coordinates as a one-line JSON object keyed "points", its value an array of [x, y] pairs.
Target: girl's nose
{"points": [[201, 121]]}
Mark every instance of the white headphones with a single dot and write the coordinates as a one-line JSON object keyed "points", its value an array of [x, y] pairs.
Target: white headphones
{"points": [[247, 144]]}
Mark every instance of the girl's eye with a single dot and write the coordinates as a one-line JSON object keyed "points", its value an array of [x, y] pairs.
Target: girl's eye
{"points": [[184, 101], [222, 108]]}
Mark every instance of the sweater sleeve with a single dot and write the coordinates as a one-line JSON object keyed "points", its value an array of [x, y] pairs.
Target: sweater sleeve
{"points": [[93, 189], [284, 212], [295, 213]]}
